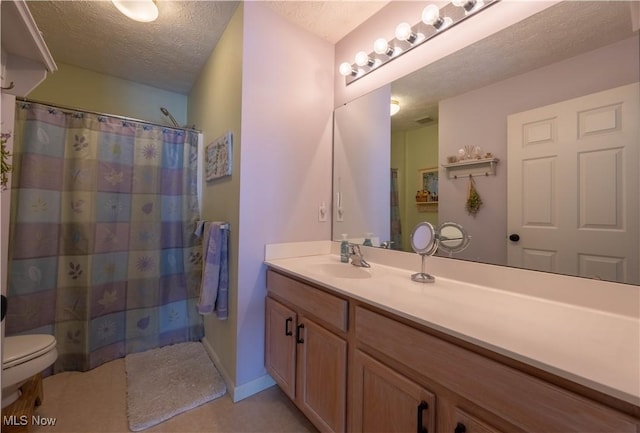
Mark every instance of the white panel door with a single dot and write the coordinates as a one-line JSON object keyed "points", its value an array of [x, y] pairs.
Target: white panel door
{"points": [[573, 186]]}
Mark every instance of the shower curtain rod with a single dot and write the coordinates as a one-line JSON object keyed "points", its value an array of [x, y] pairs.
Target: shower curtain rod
{"points": [[97, 113]]}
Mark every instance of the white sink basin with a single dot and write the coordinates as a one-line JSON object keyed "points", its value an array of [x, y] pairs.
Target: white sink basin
{"points": [[342, 270]]}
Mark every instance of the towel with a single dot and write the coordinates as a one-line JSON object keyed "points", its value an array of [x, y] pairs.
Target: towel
{"points": [[214, 288]]}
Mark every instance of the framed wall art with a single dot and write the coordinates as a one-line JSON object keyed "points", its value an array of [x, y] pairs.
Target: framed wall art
{"points": [[218, 157], [428, 183]]}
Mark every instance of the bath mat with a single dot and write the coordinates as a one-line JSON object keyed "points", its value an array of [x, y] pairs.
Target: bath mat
{"points": [[164, 382]]}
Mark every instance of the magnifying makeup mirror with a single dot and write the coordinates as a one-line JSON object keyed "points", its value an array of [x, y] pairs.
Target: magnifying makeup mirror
{"points": [[452, 238], [423, 242]]}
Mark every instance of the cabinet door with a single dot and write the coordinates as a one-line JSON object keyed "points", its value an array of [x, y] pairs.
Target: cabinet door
{"points": [[465, 423], [322, 376], [280, 345], [385, 401]]}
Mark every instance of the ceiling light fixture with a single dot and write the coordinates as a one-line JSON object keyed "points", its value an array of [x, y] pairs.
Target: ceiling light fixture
{"points": [[434, 21], [144, 11], [395, 107]]}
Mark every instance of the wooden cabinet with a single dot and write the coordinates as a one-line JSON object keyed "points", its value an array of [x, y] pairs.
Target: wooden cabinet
{"points": [[407, 377], [305, 352], [465, 423], [388, 402], [280, 346], [322, 376], [480, 394]]}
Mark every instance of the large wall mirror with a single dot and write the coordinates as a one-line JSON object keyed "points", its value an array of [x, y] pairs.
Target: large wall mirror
{"points": [[553, 102]]}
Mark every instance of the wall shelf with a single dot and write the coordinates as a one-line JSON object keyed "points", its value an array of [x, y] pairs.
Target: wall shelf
{"points": [[26, 60], [427, 206], [471, 167]]}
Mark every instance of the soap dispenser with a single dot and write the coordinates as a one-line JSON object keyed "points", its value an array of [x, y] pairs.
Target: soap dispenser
{"points": [[367, 240], [344, 249]]}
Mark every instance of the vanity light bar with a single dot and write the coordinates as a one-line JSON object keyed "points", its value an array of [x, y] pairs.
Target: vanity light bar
{"points": [[434, 21]]}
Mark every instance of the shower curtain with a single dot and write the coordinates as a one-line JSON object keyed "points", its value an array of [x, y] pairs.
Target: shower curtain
{"points": [[396, 229], [102, 250]]}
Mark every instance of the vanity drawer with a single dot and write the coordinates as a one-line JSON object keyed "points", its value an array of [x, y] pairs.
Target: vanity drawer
{"points": [[325, 306], [523, 400]]}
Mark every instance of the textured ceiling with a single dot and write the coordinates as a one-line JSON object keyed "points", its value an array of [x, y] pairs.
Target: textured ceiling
{"points": [[170, 52], [330, 20]]}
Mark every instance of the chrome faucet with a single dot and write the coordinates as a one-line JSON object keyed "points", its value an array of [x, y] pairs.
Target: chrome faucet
{"points": [[357, 259]]}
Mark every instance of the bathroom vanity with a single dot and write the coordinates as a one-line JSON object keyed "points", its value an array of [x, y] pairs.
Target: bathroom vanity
{"points": [[370, 350]]}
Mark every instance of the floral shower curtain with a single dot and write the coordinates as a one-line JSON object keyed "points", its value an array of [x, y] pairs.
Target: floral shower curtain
{"points": [[396, 229], [102, 250]]}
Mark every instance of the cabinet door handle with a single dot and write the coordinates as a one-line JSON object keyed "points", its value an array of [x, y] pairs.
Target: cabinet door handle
{"points": [[460, 428], [287, 330], [421, 408], [298, 328]]}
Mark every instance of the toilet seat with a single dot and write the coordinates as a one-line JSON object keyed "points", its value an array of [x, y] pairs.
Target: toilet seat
{"points": [[19, 349]]}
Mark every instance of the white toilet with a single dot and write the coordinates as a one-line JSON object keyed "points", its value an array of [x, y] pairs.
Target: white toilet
{"points": [[22, 357]]}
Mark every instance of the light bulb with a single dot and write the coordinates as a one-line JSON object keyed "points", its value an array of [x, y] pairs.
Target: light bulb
{"points": [[395, 107], [468, 5], [381, 46], [346, 69], [404, 33], [477, 5], [363, 59], [139, 10], [430, 14]]}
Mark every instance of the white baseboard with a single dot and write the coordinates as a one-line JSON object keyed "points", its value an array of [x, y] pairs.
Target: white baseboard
{"points": [[241, 392], [255, 386]]}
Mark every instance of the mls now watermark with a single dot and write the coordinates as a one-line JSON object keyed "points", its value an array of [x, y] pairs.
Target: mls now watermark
{"points": [[23, 420]]}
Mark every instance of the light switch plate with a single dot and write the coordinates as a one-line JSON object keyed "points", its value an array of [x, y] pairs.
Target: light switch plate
{"points": [[322, 213]]}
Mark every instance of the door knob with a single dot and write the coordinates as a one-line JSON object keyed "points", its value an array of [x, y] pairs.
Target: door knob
{"points": [[514, 237]]}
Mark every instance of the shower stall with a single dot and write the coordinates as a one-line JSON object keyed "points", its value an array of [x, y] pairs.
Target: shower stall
{"points": [[102, 250]]}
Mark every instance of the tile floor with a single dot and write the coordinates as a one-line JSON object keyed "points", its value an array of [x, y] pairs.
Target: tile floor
{"points": [[95, 402]]}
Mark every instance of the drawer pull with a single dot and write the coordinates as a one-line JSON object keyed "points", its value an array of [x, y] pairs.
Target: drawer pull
{"points": [[287, 330], [298, 328], [460, 428], [421, 408]]}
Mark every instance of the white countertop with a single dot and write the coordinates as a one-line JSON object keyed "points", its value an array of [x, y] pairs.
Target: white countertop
{"points": [[595, 348]]}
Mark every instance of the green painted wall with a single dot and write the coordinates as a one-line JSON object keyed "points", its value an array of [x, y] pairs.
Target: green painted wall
{"points": [[412, 151], [214, 105], [82, 89]]}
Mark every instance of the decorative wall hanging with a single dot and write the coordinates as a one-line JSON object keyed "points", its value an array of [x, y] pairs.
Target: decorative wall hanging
{"points": [[474, 202], [429, 183], [218, 153], [6, 166]]}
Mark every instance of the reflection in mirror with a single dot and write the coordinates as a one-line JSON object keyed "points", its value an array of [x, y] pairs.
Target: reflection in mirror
{"points": [[360, 167], [552, 186], [424, 242], [452, 238]]}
